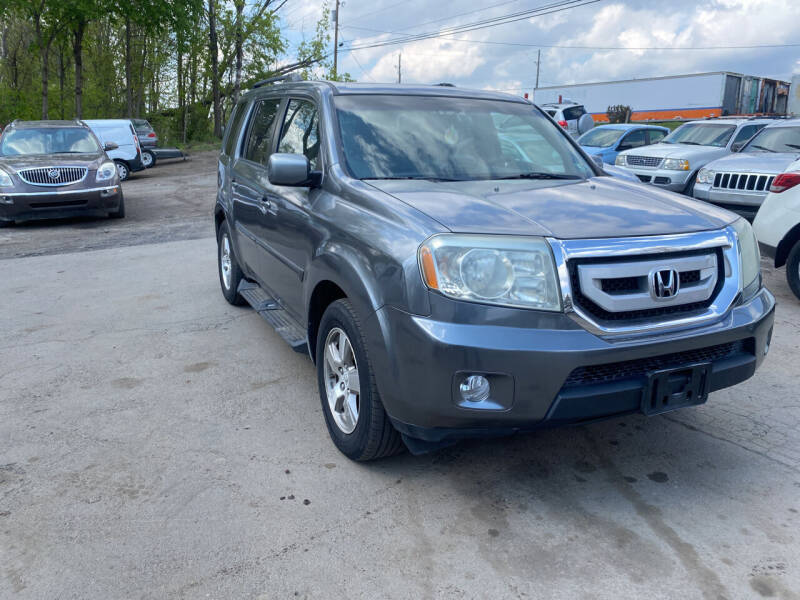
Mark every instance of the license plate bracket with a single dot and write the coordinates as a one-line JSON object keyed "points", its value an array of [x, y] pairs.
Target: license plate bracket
{"points": [[670, 389]]}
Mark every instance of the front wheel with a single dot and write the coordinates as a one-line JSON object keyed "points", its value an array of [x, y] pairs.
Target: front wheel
{"points": [[122, 170], [354, 414], [793, 269]]}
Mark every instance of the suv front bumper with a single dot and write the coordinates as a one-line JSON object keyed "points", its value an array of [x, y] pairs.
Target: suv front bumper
{"points": [[543, 369], [24, 206], [674, 181]]}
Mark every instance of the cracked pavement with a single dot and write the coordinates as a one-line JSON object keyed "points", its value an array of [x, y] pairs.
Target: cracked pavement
{"points": [[156, 442]]}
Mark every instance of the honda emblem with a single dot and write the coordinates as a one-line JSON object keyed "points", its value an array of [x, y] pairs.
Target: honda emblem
{"points": [[664, 283]]}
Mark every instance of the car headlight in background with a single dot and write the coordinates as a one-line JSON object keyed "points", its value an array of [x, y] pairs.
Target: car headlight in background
{"points": [[749, 256], [503, 270], [5, 179], [621, 160], [676, 164], [106, 171], [706, 176]]}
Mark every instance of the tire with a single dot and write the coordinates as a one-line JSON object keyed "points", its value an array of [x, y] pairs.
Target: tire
{"points": [[120, 212], [230, 283], [148, 159], [372, 435], [122, 170], [793, 269]]}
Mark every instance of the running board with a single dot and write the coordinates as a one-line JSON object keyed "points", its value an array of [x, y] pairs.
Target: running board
{"points": [[282, 322]]}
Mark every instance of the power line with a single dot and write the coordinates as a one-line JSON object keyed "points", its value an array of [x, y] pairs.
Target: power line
{"points": [[574, 47], [486, 23]]}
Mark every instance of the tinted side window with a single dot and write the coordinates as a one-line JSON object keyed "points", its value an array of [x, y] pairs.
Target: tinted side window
{"points": [[656, 136], [233, 129], [259, 146], [574, 112], [746, 132], [300, 132], [635, 139]]}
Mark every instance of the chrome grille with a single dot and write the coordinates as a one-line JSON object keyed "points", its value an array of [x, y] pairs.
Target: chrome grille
{"points": [[643, 161], [53, 176], [621, 289], [750, 182]]}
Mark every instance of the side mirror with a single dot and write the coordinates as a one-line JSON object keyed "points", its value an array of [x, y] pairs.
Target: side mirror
{"points": [[598, 160], [737, 146], [109, 146], [622, 147], [291, 170]]}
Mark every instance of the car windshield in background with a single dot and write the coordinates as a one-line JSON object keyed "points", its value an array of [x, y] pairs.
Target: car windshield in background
{"points": [[701, 134], [423, 137], [775, 139], [600, 138], [67, 140]]}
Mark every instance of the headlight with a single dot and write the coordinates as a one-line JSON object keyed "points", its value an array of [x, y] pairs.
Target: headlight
{"points": [[106, 171], [706, 176], [676, 164], [5, 179], [749, 256], [509, 271], [621, 160]]}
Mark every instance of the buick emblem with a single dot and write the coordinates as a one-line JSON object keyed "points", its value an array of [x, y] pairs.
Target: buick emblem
{"points": [[54, 173], [664, 283]]}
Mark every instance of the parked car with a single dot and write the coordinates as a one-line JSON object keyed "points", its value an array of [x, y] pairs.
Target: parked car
{"points": [[606, 141], [673, 163], [446, 287], [571, 116], [777, 224], [741, 181], [128, 154], [52, 169], [620, 172], [148, 139]]}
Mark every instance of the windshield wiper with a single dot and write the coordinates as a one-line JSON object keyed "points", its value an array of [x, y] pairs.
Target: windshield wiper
{"points": [[412, 177], [763, 148], [691, 143], [540, 176], [793, 146]]}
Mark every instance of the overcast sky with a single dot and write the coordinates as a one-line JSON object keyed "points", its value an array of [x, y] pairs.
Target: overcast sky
{"points": [[607, 23]]}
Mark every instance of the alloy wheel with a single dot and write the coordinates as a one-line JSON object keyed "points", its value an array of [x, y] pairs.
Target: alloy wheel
{"points": [[342, 384]]}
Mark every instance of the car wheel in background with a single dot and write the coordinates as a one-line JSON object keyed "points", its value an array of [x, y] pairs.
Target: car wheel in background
{"points": [[120, 212], [354, 414], [122, 170], [148, 159], [230, 274], [689, 189], [793, 269]]}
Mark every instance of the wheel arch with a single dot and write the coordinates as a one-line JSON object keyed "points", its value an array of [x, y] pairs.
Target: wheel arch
{"points": [[786, 244]]}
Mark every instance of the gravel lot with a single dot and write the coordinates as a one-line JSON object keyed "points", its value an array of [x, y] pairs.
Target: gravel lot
{"points": [[156, 442]]}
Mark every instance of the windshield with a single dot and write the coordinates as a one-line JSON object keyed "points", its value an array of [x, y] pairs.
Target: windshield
{"points": [[701, 134], [48, 140], [600, 138], [775, 139], [428, 137]]}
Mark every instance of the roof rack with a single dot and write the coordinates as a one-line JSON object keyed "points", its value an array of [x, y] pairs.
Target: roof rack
{"points": [[287, 77]]}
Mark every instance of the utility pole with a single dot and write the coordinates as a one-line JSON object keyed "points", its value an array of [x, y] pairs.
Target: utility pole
{"points": [[538, 61], [335, 38], [400, 68]]}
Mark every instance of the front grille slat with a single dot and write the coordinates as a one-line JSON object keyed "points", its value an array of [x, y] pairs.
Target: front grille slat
{"points": [[643, 161], [61, 175], [749, 182], [641, 367]]}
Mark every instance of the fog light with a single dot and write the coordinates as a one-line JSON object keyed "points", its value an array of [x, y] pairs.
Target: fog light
{"points": [[474, 388]]}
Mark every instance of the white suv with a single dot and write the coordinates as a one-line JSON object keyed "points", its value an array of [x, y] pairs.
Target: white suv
{"points": [[777, 224], [572, 117]]}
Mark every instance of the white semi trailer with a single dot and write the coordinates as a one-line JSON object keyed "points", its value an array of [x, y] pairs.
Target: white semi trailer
{"points": [[679, 97]]}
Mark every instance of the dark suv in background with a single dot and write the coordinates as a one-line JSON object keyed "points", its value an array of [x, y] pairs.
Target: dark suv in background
{"points": [[448, 285], [52, 169]]}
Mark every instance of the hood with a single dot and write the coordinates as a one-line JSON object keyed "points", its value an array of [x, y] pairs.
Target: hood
{"points": [[598, 207], [768, 163], [680, 151], [29, 161]]}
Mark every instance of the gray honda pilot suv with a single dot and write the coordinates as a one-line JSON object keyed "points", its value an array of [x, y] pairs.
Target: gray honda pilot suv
{"points": [[457, 267]]}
